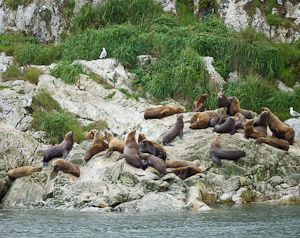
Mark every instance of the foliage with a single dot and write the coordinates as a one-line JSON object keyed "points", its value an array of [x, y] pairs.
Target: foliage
{"points": [[67, 72], [57, 124], [274, 19], [44, 101], [3, 87], [32, 75], [12, 73], [97, 125], [128, 95]]}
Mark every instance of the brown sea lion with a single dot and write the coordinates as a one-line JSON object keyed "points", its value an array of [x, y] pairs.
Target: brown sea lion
{"points": [[177, 130], [147, 146], [215, 113], [260, 122], [240, 120], [177, 163], [186, 172], [199, 105], [90, 135], [223, 102], [225, 125], [235, 108], [217, 152], [132, 152], [64, 166], [161, 112], [114, 144], [22, 171], [59, 150], [250, 132], [275, 142], [279, 129], [202, 121], [98, 145], [155, 162]]}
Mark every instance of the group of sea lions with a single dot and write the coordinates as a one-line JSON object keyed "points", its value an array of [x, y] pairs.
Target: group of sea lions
{"points": [[226, 119]]}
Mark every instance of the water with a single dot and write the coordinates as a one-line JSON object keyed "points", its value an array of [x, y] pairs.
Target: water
{"points": [[252, 220]]}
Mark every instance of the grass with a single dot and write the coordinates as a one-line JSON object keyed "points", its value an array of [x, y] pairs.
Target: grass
{"points": [[44, 101], [32, 75], [67, 71], [97, 125], [14, 73], [3, 87], [128, 95]]}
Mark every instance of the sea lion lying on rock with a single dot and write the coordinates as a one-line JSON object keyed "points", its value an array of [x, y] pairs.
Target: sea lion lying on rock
{"points": [[279, 129], [217, 152], [19, 172], [177, 163], [202, 121], [240, 120], [59, 150], [64, 166], [114, 144], [251, 132], [275, 142], [147, 146], [155, 162], [186, 172], [98, 146], [199, 105], [132, 152], [161, 112], [260, 122], [225, 125], [177, 130]]}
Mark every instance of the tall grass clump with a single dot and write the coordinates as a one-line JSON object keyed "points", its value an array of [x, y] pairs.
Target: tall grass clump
{"points": [[12, 73], [97, 125], [67, 72], [44, 101], [32, 75], [57, 124]]}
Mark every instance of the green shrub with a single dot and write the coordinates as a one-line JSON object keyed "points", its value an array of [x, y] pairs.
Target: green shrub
{"points": [[67, 72], [57, 124], [12, 73], [32, 75], [44, 101], [274, 19], [97, 125], [3, 87], [108, 87]]}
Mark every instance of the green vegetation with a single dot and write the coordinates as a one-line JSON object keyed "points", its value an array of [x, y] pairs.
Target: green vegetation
{"points": [[32, 75], [43, 101], [13, 73], [3, 87], [97, 125], [67, 71], [129, 28]]}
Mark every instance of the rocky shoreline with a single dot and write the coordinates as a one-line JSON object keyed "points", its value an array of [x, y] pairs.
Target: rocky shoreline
{"points": [[266, 174]]}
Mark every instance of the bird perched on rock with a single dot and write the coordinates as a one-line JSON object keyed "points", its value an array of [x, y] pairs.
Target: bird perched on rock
{"points": [[103, 54], [279, 2], [294, 113], [43, 8]]}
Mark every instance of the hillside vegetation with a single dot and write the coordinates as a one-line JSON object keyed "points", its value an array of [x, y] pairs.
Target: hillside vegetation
{"points": [[130, 28]]}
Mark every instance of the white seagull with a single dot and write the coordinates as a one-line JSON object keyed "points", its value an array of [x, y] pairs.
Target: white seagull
{"points": [[103, 54], [294, 113], [279, 2], [43, 8]]}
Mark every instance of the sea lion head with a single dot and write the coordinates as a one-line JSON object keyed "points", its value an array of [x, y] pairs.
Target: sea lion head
{"points": [[249, 125], [144, 156], [90, 135], [180, 117], [131, 137], [196, 163], [69, 135], [216, 142], [142, 137], [108, 136], [221, 95], [204, 96]]}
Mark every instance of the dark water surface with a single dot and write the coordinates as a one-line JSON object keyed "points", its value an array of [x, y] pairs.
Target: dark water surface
{"points": [[253, 220]]}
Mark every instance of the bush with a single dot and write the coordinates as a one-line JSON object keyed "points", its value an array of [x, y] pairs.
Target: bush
{"points": [[97, 125], [32, 75], [12, 73], [67, 72], [44, 101]]}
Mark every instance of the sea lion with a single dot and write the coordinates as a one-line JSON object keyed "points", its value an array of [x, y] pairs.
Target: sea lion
{"points": [[161, 112], [90, 135], [177, 163], [132, 152], [223, 101], [279, 129], [213, 121], [155, 162], [215, 113], [202, 121], [19, 172], [177, 130], [225, 125], [98, 146], [260, 122], [186, 172], [147, 146], [235, 108], [199, 105], [275, 142], [251, 132], [240, 120], [217, 152], [114, 144], [64, 166], [59, 150]]}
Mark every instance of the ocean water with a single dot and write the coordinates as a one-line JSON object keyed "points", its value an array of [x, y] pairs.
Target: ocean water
{"points": [[254, 220]]}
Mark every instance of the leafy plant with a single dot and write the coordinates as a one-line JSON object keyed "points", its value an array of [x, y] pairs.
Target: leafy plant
{"points": [[32, 75], [67, 72]]}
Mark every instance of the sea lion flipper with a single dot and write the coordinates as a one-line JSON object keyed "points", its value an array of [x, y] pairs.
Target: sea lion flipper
{"points": [[180, 133], [65, 154], [46, 164], [216, 159]]}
